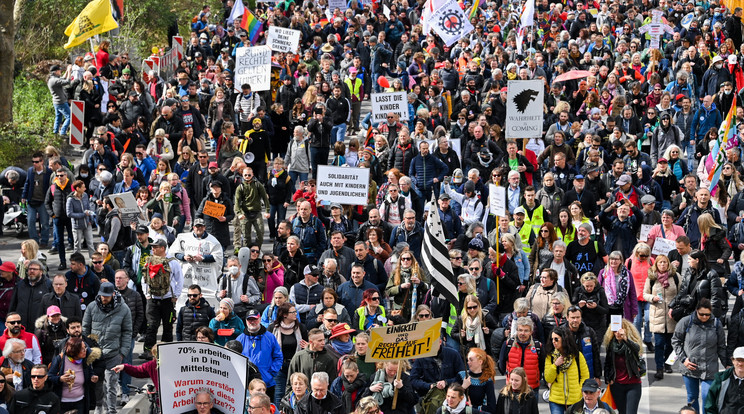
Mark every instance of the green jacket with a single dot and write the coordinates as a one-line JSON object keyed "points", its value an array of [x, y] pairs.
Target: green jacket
{"points": [[248, 197], [717, 391]]}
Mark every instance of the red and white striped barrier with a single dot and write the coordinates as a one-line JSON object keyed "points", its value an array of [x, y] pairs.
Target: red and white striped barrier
{"points": [[178, 46], [77, 134]]}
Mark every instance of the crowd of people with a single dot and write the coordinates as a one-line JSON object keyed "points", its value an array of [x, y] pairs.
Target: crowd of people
{"points": [[623, 233]]}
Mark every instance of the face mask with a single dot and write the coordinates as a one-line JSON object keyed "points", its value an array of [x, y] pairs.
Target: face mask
{"points": [[233, 270], [719, 65], [727, 92], [84, 175]]}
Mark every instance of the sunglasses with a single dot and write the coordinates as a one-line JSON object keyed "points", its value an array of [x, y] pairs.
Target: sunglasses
{"points": [[643, 255], [97, 261], [704, 315], [191, 295], [375, 298], [474, 268], [472, 307], [13, 322], [37, 161], [254, 251], [37, 376], [331, 320], [424, 315], [267, 260], [405, 259], [457, 258]]}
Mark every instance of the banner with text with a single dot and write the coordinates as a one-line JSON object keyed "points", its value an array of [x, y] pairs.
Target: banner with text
{"points": [[409, 341], [384, 103], [497, 200], [336, 4], [253, 66], [128, 208], [524, 109], [199, 272], [186, 368], [283, 40], [343, 185]]}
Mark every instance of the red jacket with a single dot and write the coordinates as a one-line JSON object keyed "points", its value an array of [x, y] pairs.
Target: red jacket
{"points": [[147, 370], [528, 358], [33, 350]]}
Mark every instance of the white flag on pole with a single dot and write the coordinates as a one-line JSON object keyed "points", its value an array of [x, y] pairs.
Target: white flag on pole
{"points": [[237, 11], [450, 22]]}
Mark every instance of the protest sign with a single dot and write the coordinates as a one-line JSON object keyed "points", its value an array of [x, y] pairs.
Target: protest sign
{"points": [[213, 209], [198, 272], [645, 229], [283, 40], [497, 200], [409, 341], [186, 368], [343, 185], [128, 209], [384, 103], [524, 109], [336, 4], [663, 246], [253, 66]]}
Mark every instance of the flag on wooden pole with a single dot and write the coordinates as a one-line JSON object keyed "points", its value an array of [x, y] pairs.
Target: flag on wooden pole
{"points": [[435, 256]]}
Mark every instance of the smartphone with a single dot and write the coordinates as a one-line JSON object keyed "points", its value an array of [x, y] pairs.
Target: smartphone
{"points": [[618, 204]]}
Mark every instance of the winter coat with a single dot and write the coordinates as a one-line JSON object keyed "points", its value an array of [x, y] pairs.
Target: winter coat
{"points": [[459, 334], [32, 401], [263, 350], [704, 120], [26, 298], [331, 404], [135, 302], [56, 199], [414, 238], [298, 156], [113, 328], [350, 295], [233, 322], [279, 189], [566, 386], [57, 370], [659, 320], [551, 201], [401, 157], [624, 231], [191, 317], [76, 208], [309, 362], [48, 338], [425, 169], [702, 343], [219, 229], [539, 298], [442, 367], [312, 237], [702, 286]]}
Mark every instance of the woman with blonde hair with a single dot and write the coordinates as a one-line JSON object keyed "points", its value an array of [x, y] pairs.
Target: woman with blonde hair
{"points": [[578, 217], [29, 251], [367, 405], [639, 263], [166, 204], [474, 327], [517, 396], [713, 244], [300, 387], [592, 300], [478, 381], [619, 286], [677, 166], [659, 290], [384, 383], [624, 366], [186, 160], [309, 98], [556, 316], [406, 287]]}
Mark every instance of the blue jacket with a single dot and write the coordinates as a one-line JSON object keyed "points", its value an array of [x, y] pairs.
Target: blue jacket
{"points": [[624, 231], [264, 351], [589, 345], [108, 159], [704, 120], [75, 210], [414, 238], [523, 265], [425, 169], [374, 272], [426, 371], [147, 166], [451, 223], [312, 237], [350, 296], [28, 187], [119, 187]]}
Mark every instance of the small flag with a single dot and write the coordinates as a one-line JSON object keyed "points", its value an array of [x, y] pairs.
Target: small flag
{"points": [[474, 9], [250, 23], [719, 149], [95, 19], [435, 257]]}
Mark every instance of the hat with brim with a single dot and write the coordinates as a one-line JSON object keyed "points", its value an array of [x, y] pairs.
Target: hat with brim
{"points": [[623, 180], [8, 266], [339, 330]]}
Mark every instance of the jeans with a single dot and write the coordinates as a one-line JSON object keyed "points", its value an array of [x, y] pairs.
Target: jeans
{"points": [[693, 386], [281, 383], [690, 149], [663, 349], [277, 213], [86, 235], [111, 382], [297, 178], [38, 214], [159, 311], [318, 156], [338, 132], [557, 408], [61, 111], [627, 397], [124, 378], [60, 224], [642, 319], [55, 235]]}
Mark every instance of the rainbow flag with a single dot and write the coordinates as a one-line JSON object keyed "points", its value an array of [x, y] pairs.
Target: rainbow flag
{"points": [[250, 24], [474, 9], [718, 153]]}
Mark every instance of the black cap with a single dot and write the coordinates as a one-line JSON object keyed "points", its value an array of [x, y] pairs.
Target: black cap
{"points": [[142, 229], [590, 385], [216, 183], [107, 289], [159, 242], [253, 313]]}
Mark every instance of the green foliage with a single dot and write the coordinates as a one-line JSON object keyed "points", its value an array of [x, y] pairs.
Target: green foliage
{"points": [[33, 115]]}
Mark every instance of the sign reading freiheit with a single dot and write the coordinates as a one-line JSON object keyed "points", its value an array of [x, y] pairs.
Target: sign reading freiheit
{"points": [[409, 341]]}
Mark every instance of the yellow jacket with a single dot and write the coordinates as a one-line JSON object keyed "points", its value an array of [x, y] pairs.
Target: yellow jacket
{"points": [[566, 386]]}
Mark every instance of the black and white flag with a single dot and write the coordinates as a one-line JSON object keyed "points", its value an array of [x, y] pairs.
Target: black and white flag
{"points": [[435, 256]]}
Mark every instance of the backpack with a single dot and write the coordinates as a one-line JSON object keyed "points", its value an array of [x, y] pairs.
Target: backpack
{"points": [[158, 276], [432, 401]]}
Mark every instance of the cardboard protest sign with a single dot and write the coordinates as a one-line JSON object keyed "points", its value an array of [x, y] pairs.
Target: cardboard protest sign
{"points": [[253, 66], [384, 103], [213, 209], [283, 40], [186, 368], [128, 208], [524, 109], [497, 200], [343, 185], [336, 4], [663, 246], [409, 341]]}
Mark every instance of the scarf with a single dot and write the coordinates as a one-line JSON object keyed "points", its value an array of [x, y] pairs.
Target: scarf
{"points": [[474, 332], [457, 410], [387, 387], [75, 361], [278, 332], [343, 348], [663, 278], [350, 388], [61, 184], [568, 360], [105, 307], [631, 358]]}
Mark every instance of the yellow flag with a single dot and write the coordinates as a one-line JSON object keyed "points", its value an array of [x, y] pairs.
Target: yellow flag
{"points": [[95, 19]]}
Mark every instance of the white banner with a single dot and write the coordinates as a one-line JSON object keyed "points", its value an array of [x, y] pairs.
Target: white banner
{"points": [[384, 103], [186, 368], [129, 211], [524, 109], [336, 4], [663, 246], [283, 40], [200, 273], [253, 66], [497, 200], [343, 185], [450, 22]]}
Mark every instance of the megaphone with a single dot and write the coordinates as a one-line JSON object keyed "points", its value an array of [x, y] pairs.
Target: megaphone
{"points": [[249, 157]]}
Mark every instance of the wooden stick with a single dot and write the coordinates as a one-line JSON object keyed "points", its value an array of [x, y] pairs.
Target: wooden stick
{"points": [[397, 377]]}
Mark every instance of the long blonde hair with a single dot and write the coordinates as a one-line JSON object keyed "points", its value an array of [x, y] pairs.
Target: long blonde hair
{"points": [[415, 269], [705, 223], [524, 389], [464, 314], [630, 332], [32, 249]]}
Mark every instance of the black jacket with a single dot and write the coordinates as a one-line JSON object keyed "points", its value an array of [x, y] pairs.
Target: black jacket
{"points": [[68, 303], [191, 317], [331, 404], [442, 367], [26, 299], [320, 132], [219, 229], [134, 301], [31, 401], [56, 200]]}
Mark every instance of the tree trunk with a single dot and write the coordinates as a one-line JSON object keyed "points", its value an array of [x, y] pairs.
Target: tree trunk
{"points": [[7, 63]]}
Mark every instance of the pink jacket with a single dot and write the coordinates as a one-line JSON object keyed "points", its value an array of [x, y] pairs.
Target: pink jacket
{"points": [[274, 279]]}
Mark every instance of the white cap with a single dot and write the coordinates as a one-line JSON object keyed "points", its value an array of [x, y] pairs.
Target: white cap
{"points": [[715, 59], [739, 353], [732, 59]]}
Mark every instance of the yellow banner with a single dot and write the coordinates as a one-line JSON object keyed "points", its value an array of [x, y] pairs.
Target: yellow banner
{"points": [[95, 19], [409, 341], [732, 4]]}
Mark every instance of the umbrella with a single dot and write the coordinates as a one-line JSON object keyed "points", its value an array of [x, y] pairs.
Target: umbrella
{"points": [[572, 74]]}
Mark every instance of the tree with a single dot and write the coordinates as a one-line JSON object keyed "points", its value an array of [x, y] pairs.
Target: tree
{"points": [[7, 63]]}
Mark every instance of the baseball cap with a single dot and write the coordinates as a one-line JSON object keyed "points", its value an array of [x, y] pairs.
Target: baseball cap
{"points": [[624, 179], [739, 353], [578, 177], [160, 242], [252, 314], [107, 289], [590, 385], [444, 196], [199, 222], [53, 310], [142, 229], [215, 183], [520, 210], [213, 164]]}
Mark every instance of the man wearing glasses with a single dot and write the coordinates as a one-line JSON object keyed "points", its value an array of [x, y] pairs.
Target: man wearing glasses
{"points": [[38, 398], [29, 344], [204, 402], [319, 400], [34, 192], [28, 293]]}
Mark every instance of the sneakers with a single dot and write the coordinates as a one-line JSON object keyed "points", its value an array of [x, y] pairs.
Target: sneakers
{"points": [[659, 375], [62, 266], [124, 399]]}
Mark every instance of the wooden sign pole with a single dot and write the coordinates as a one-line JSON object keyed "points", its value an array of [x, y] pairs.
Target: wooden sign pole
{"points": [[397, 377]]}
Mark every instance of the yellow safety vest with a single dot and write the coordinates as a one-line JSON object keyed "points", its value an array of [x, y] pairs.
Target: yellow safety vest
{"points": [[354, 88], [362, 313], [537, 219], [567, 238], [524, 234]]}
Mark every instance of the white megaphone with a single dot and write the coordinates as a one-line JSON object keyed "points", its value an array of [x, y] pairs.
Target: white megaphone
{"points": [[249, 157]]}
